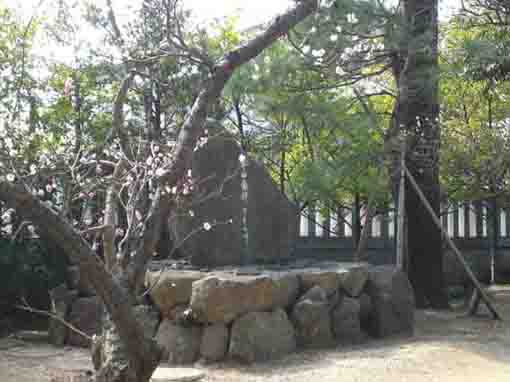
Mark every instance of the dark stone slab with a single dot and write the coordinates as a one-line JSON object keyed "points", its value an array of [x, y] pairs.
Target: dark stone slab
{"points": [[272, 220]]}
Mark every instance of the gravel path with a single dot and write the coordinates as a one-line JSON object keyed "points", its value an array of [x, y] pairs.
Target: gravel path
{"points": [[446, 348]]}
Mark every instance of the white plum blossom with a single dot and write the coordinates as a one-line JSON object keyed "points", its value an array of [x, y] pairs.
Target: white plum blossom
{"points": [[242, 158], [306, 49], [191, 213], [49, 188], [6, 218], [318, 52], [352, 18], [333, 37], [160, 171], [33, 169], [8, 143], [207, 226], [313, 30], [10, 177], [7, 229], [68, 86]]}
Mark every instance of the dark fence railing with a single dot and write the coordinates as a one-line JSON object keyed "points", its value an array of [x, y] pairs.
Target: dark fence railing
{"points": [[330, 235]]}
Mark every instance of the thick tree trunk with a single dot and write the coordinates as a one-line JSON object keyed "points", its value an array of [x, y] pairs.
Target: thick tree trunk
{"points": [[417, 114]]}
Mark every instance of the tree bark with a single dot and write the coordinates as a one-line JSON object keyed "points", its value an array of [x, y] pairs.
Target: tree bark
{"points": [[417, 114]]}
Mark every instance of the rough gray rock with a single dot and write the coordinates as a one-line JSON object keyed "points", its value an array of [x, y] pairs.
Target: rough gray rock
{"points": [[353, 279], [272, 220], [454, 273], [214, 344], [311, 318], [181, 344], [317, 294], [86, 313], [61, 301], [221, 299], [262, 336], [149, 318], [346, 321], [77, 279], [170, 288], [365, 309], [329, 281], [392, 301]]}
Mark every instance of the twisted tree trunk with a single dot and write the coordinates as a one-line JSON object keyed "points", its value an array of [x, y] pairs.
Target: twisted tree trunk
{"points": [[125, 352], [417, 115]]}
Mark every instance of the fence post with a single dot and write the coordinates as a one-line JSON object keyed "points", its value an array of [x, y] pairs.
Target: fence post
{"points": [[455, 220], [326, 224], [507, 216], [340, 223], [311, 220], [479, 219], [355, 221], [492, 235], [467, 220]]}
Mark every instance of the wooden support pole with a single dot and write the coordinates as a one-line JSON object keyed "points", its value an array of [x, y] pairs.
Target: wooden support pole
{"points": [[401, 213], [450, 242]]}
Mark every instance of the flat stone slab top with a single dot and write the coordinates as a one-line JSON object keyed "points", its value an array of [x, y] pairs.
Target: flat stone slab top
{"points": [[308, 265], [221, 294], [176, 374]]}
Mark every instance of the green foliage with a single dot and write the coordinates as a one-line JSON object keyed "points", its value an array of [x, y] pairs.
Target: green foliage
{"points": [[28, 270], [475, 156]]}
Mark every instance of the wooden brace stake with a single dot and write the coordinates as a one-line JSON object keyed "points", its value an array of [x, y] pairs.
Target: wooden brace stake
{"points": [[450, 242]]}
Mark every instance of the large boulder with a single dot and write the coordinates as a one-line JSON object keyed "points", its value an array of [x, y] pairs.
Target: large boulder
{"points": [[181, 345], [311, 318], [454, 273], [149, 318], [392, 302], [365, 309], [86, 316], [169, 288], [346, 321], [349, 277], [271, 219], [353, 278], [217, 299], [61, 301], [77, 279], [262, 336], [327, 280], [214, 344]]}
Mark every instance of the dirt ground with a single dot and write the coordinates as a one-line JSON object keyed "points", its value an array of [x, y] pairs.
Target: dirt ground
{"points": [[447, 347]]}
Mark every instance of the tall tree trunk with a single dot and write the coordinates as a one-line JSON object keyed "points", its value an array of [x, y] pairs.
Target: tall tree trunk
{"points": [[417, 114]]}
